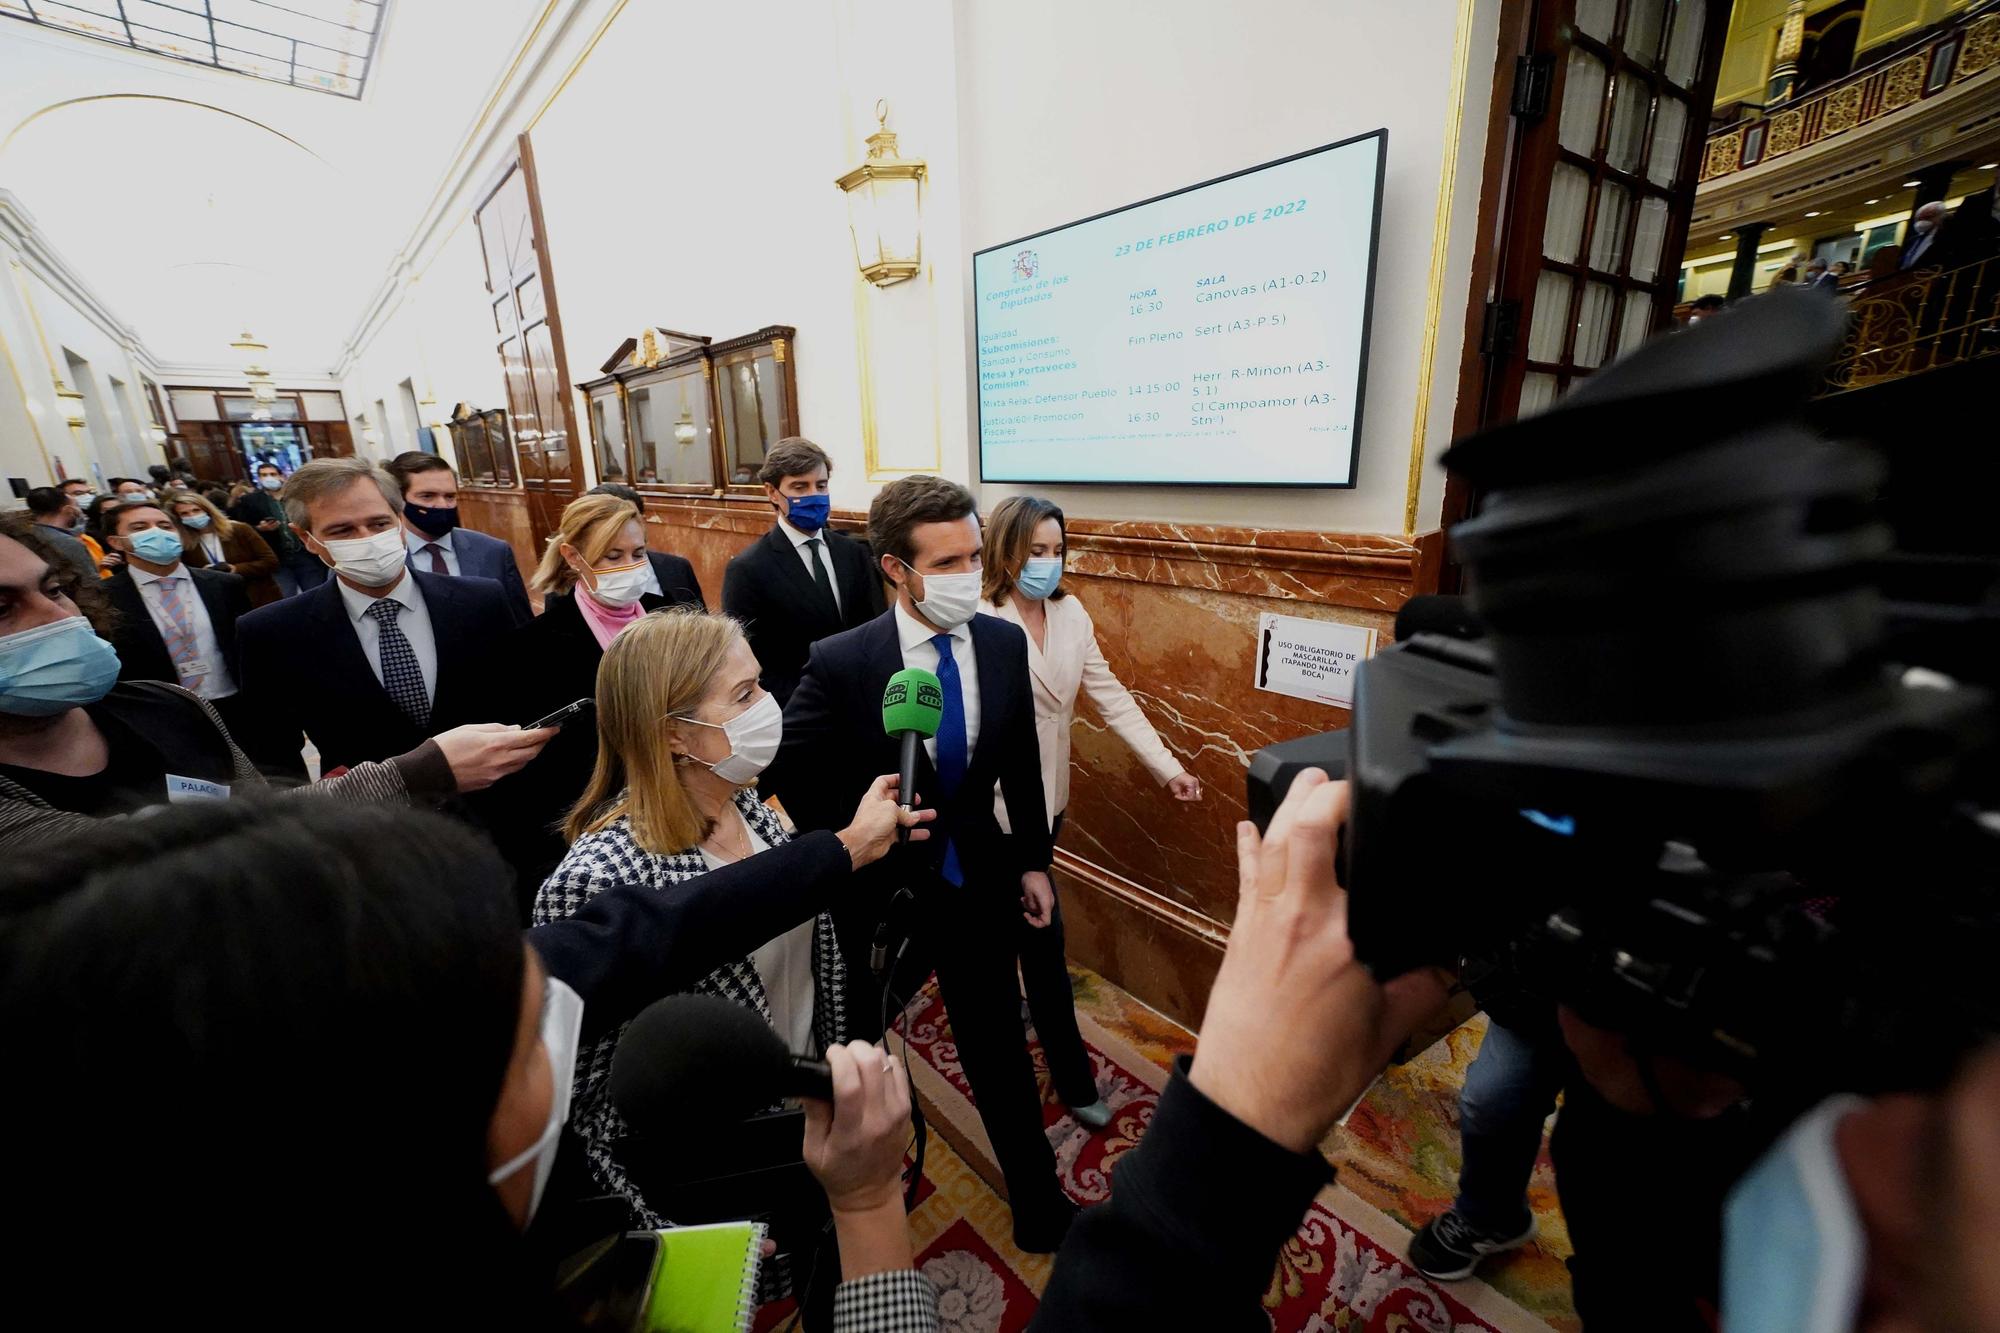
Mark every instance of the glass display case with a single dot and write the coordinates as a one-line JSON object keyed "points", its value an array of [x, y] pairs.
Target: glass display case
{"points": [[479, 441], [681, 413]]}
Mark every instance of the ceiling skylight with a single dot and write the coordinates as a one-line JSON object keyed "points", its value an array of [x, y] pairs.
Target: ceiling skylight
{"points": [[322, 45]]}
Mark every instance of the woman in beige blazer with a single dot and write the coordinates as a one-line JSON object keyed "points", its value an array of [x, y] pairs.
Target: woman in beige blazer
{"points": [[1022, 561]]}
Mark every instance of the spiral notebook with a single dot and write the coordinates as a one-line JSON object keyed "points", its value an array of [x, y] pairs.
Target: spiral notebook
{"points": [[705, 1279], [694, 1279]]}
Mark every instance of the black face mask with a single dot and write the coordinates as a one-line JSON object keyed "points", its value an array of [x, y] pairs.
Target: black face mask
{"points": [[433, 522]]}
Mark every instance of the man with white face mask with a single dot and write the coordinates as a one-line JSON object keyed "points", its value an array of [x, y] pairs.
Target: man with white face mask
{"points": [[973, 883], [380, 656]]}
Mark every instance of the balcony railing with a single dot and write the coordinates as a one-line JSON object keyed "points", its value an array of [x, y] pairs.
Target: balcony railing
{"points": [[1955, 52], [1905, 326]]}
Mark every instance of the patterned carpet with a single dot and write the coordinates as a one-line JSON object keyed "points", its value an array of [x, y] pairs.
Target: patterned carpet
{"points": [[1344, 1270]]}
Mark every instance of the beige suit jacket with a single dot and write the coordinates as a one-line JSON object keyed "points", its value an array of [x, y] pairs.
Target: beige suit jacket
{"points": [[1068, 663]]}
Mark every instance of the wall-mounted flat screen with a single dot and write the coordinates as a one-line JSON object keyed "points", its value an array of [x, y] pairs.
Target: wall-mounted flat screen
{"points": [[1216, 336]]}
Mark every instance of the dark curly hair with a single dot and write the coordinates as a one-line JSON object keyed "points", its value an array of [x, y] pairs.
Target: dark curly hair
{"points": [[86, 593]]}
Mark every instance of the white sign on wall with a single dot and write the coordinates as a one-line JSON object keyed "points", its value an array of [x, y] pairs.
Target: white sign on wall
{"points": [[1310, 659]]}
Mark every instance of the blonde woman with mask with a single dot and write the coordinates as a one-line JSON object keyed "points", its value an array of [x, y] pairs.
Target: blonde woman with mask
{"points": [[683, 731], [592, 581]]}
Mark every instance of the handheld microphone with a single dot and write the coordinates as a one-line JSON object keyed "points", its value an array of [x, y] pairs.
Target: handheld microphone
{"points": [[690, 1062], [912, 706]]}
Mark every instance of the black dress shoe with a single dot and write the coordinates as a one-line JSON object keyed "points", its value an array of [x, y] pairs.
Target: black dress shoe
{"points": [[1042, 1231]]}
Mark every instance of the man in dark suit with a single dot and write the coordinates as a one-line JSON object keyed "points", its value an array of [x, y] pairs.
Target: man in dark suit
{"points": [[437, 545], [800, 581], [977, 889], [380, 656], [175, 623], [672, 576]]}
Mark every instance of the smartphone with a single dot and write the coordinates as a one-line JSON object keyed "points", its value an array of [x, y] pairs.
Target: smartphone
{"points": [[561, 715]]}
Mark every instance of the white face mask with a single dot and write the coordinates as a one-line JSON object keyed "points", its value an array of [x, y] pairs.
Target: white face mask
{"points": [[1923, 226], [372, 562], [619, 586], [753, 735], [562, 1026], [1793, 1249], [949, 600]]}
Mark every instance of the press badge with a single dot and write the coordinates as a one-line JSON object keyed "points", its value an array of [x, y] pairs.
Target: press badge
{"points": [[181, 789]]}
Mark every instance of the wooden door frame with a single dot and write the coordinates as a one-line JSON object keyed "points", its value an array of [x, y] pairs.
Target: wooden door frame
{"points": [[1503, 233]]}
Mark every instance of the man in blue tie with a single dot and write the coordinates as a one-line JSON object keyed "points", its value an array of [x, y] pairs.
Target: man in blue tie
{"points": [[976, 889]]}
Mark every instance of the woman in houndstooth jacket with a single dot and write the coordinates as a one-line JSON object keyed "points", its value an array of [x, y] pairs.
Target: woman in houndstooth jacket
{"points": [[683, 730]]}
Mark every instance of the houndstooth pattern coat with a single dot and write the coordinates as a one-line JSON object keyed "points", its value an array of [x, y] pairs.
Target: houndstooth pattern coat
{"points": [[598, 861]]}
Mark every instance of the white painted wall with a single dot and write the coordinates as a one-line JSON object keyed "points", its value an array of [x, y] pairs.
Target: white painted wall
{"points": [[687, 181], [1069, 109], [49, 325]]}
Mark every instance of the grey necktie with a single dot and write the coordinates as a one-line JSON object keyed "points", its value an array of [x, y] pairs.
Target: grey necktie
{"points": [[401, 676]]}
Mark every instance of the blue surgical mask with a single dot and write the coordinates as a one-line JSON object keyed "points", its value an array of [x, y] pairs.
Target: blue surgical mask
{"points": [[1039, 577], [196, 521], [271, 483], [1793, 1250], [809, 512], [53, 668], [157, 546]]}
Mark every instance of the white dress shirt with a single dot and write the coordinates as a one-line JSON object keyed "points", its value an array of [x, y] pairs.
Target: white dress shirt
{"points": [[785, 964], [415, 543], [653, 578], [799, 540], [415, 624], [920, 654], [216, 682], [211, 546]]}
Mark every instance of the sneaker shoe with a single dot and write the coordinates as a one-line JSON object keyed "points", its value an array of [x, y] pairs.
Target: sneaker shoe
{"points": [[1096, 1115], [1449, 1247]]}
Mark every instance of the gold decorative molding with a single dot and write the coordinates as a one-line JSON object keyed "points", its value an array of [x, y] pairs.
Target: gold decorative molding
{"points": [[1785, 131], [1722, 155], [1982, 47], [778, 350], [1461, 56], [1904, 84], [157, 97], [1843, 109]]}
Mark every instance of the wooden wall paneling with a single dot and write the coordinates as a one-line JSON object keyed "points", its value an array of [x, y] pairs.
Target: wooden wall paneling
{"points": [[505, 514]]}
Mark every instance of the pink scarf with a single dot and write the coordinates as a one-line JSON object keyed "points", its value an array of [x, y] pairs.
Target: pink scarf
{"points": [[605, 622]]}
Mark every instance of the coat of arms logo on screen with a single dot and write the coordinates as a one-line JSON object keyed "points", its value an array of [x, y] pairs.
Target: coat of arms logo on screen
{"points": [[1026, 265]]}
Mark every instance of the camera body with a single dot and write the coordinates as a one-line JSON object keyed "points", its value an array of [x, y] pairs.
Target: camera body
{"points": [[1680, 783]]}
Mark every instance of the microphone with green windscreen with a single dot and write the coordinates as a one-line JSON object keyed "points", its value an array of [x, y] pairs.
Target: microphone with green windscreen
{"points": [[912, 706]]}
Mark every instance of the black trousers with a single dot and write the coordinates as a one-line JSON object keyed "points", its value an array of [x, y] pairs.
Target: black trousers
{"points": [[970, 935], [1045, 977], [1642, 1197]]}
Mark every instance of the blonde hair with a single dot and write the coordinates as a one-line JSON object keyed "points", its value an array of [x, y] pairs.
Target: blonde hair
{"points": [[223, 523], [661, 666], [590, 524]]}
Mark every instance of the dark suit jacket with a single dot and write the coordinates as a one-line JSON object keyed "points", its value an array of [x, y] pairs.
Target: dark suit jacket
{"points": [[484, 557], [304, 671], [142, 653], [1969, 235], [834, 746], [677, 581], [768, 588]]}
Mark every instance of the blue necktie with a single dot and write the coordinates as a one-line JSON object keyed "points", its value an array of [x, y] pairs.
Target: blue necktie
{"points": [[951, 756]]}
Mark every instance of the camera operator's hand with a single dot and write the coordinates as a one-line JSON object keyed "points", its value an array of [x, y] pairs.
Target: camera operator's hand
{"points": [[876, 819], [854, 1148], [1296, 1028]]}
